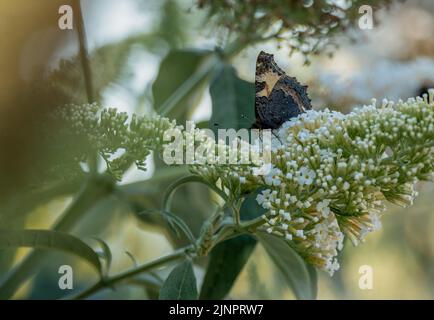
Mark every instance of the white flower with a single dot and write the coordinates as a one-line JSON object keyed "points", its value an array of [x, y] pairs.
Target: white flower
{"points": [[263, 170], [287, 216], [376, 222], [264, 196], [299, 233], [303, 135], [306, 176], [273, 177], [323, 207]]}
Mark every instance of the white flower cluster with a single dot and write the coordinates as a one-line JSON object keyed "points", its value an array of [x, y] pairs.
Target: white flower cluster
{"points": [[330, 174], [119, 139], [328, 177]]}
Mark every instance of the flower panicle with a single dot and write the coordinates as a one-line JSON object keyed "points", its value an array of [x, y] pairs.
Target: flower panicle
{"points": [[120, 140], [328, 178], [330, 174]]}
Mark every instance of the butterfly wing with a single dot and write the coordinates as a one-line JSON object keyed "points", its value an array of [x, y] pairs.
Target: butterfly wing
{"points": [[278, 97]]}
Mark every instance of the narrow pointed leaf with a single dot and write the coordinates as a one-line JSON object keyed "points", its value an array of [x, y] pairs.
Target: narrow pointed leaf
{"points": [[173, 221], [48, 239], [176, 83], [300, 278], [106, 255], [226, 262], [180, 284], [229, 257], [232, 100]]}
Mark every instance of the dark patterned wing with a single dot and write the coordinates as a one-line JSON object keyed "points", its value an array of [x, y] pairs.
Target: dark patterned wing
{"points": [[278, 97]]}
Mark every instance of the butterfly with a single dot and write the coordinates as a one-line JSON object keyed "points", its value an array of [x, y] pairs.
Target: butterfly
{"points": [[278, 97]]}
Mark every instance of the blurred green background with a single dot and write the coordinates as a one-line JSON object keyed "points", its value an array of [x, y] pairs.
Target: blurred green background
{"points": [[139, 52]]}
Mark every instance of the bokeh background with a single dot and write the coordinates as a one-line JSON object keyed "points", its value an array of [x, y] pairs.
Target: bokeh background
{"points": [[127, 42]]}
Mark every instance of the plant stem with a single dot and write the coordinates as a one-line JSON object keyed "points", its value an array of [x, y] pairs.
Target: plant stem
{"points": [[110, 281], [87, 71], [84, 57], [251, 225], [94, 190], [163, 174], [203, 71], [237, 215], [190, 178]]}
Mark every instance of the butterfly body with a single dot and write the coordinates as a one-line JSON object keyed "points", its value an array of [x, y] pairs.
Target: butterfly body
{"points": [[278, 97]]}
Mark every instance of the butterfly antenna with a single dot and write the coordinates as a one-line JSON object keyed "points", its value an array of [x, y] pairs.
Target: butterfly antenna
{"points": [[243, 116]]}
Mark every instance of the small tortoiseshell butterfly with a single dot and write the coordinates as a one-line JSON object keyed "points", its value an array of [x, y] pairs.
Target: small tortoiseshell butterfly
{"points": [[278, 97]]}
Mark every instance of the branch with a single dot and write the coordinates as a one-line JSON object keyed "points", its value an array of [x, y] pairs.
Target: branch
{"points": [[83, 51], [111, 281]]}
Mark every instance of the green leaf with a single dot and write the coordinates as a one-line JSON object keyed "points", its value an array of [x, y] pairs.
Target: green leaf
{"points": [[314, 280], [95, 190], [133, 259], [174, 222], [181, 181], [48, 239], [178, 80], [149, 283], [250, 209], [232, 100], [221, 275], [180, 284], [300, 278], [106, 254], [227, 259], [192, 202]]}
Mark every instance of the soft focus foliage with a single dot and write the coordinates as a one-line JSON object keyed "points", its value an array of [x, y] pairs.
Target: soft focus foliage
{"points": [[80, 171], [307, 26]]}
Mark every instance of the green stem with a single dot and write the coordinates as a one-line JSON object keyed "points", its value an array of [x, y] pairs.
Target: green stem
{"points": [[236, 213], [251, 225], [84, 56], [191, 178], [111, 281], [230, 230], [145, 283], [161, 175], [93, 191], [203, 71], [87, 71]]}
